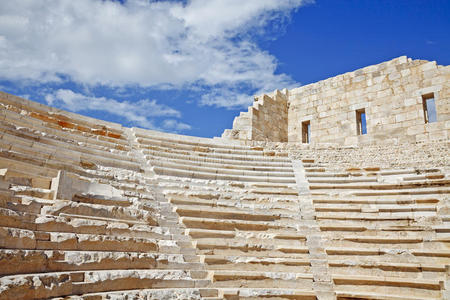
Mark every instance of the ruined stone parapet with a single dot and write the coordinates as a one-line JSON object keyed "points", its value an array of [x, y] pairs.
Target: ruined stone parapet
{"points": [[265, 120]]}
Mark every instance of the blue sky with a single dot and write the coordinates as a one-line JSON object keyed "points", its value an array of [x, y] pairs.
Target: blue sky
{"points": [[191, 66]]}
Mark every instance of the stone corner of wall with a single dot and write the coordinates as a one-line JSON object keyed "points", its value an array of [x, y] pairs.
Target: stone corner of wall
{"points": [[259, 122]]}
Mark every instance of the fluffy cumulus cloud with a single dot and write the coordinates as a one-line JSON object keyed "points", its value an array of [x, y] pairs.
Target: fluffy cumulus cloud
{"points": [[195, 44], [139, 112], [174, 125]]}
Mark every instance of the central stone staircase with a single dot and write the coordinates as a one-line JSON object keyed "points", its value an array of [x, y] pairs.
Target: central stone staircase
{"points": [[240, 205]]}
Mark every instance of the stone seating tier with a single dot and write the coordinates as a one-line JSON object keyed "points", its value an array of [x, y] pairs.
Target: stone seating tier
{"points": [[93, 210]]}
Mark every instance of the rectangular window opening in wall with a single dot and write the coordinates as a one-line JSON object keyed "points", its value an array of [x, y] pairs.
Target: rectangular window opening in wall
{"points": [[361, 125], [429, 108], [306, 131]]}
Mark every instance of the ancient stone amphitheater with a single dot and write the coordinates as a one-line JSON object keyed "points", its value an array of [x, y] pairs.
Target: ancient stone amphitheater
{"points": [[295, 202]]}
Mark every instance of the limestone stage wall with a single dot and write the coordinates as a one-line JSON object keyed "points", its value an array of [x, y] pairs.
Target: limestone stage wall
{"points": [[391, 95]]}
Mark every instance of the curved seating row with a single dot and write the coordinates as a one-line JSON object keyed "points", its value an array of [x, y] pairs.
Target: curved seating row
{"points": [[92, 210]]}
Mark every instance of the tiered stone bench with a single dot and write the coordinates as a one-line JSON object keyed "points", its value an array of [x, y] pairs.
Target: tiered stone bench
{"points": [[384, 231], [116, 235], [93, 210], [240, 205]]}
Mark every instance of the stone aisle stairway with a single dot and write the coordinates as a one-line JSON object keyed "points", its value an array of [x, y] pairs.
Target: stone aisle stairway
{"points": [[241, 207], [385, 232], [80, 217]]}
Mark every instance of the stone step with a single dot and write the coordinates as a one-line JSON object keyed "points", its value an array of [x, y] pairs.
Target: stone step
{"points": [[250, 279], [69, 145], [17, 219], [158, 144], [47, 151], [101, 200], [206, 147], [19, 177], [374, 208], [342, 294], [444, 183], [15, 238], [196, 233], [389, 285], [432, 253], [223, 167], [374, 216], [225, 213], [380, 239], [285, 208], [383, 229], [397, 245], [226, 161], [267, 293], [221, 164], [24, 204], [18, 120], [222, 170], [15, 261], [378, 201], [62, 122], [241, 246], [102, 212], [215, 176], [342, 181], [156, 293], [154, 150], [81, 224], [257, 263], [271, 191], [204, 188], [46, 194], [187, 140], [276, 200], [408, 171], [215, 224], [398, 192], [442, 254], [50, 162], [409, 271], [224, 234], [437, 176], [45, 285], [384, 225], [323, 172], [250, 241], [29, 168]]}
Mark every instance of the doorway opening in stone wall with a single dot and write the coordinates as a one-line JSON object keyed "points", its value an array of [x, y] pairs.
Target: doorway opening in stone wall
{"points": [[361, 125], [429, 108], [306, 131]]}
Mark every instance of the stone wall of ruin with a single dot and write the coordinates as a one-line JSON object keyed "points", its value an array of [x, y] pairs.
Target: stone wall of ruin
{"points": [[391, 94], [265, 120]]}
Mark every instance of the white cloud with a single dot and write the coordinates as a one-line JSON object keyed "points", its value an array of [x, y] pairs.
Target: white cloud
{"points": [[138, 113], [174, 125], [156, 44]]}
